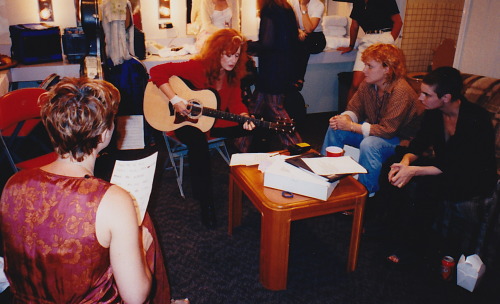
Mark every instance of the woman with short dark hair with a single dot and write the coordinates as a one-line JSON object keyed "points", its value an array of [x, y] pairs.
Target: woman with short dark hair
{"points": [[69, 237]]}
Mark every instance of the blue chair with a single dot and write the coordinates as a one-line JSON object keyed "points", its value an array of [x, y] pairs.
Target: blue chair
{"points": [[177, 151]]}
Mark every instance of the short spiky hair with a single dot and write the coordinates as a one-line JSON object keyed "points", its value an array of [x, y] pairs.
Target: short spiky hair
{"points": [[76, 111], [445, 80], [390, 56], [224, 41]]}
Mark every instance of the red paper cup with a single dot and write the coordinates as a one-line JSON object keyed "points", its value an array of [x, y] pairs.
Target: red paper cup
{"points": [[333, 151]]}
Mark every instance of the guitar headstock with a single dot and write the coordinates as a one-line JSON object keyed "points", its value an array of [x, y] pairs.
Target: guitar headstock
{"points": [[283, 125]]}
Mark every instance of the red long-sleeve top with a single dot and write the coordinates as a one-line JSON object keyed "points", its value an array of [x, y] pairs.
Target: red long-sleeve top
{"points": [[194, 72]]}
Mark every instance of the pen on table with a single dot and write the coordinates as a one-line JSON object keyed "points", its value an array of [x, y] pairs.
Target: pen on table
{"points": [[277, 153]]}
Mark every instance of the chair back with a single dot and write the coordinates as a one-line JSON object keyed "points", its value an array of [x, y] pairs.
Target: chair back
{"points": [[18, 106]]}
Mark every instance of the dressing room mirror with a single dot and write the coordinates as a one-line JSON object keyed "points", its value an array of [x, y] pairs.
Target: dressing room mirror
{"points": [[193, 18]]}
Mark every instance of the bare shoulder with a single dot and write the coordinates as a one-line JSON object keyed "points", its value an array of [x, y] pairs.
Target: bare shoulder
{"points": [[117, 205], [115, 211]]}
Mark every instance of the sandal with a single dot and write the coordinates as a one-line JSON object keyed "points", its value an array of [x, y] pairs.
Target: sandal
{"points": [[400, 258], [180, 301], [299, 84]]}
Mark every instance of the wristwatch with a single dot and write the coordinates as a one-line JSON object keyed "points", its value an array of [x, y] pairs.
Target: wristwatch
{"points": [[304, 12]]}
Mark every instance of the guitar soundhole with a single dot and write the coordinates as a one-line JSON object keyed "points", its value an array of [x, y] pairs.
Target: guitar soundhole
{"points": [[195, 107]]}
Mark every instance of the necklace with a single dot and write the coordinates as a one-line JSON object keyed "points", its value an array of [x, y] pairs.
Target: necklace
{"points": [[68, 161]]}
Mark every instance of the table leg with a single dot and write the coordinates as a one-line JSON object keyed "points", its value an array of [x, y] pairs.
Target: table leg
{"points": [[357, 226], [274, 249], [234, 208]]}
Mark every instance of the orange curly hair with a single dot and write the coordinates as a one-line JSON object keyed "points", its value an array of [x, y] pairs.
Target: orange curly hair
{"points": [[224, 41], [390, 56]]}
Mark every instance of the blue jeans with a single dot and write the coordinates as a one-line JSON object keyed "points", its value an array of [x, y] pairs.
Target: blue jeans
{"points": [[373, 152]]}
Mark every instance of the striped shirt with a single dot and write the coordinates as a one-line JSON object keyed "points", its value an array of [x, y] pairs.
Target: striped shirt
{"points": [[397, 113]]}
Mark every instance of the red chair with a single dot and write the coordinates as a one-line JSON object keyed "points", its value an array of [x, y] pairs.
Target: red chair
{"points": [[19, 114]]}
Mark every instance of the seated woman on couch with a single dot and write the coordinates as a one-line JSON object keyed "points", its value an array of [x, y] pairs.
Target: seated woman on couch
{"points": [[381, 114]]}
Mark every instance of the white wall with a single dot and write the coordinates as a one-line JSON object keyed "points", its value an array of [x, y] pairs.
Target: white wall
{"points": [[26, 11], [477, 51], [478, 47]]}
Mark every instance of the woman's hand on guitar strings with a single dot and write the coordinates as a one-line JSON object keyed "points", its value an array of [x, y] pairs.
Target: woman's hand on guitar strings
{"points": [[248, 125], [182, 108]]}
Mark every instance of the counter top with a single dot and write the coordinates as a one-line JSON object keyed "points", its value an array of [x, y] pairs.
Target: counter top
{"points": [[37, 72]]}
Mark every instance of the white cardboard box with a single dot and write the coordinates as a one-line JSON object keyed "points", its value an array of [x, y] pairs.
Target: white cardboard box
{"points": [[470, 271], [283, 176]]}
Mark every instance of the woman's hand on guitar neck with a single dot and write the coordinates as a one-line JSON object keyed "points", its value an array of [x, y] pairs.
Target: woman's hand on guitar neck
{"points": [[248, 125]]}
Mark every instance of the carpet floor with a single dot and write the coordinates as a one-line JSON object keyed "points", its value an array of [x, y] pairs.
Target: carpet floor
{"points": [[209, 266]]}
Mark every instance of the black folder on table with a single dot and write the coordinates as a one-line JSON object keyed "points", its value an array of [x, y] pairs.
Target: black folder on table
{"points": [[298, 162]]}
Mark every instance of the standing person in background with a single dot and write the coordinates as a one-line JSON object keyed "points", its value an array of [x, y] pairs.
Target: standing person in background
{"points": [[219, 67], [381, 22], [277, 50], [68, 236], [382, 114], [309, 14], [216, 15]]}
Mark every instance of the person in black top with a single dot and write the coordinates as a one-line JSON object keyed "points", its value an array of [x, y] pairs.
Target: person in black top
{"points": [[461, 170], [277, 51], [381, 22]]}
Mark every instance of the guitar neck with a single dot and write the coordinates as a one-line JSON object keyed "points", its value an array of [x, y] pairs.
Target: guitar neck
{"points": [[239, 118]]}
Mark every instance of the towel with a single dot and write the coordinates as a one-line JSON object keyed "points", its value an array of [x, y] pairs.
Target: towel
{"points": [[336, 31], [335, 20], [119, 40], [335, 42]]}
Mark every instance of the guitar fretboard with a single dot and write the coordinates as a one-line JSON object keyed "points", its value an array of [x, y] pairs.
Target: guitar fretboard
{"points": [[242, 119]]}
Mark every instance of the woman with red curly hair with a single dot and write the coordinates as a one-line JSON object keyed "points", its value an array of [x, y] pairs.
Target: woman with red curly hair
{"points": [[219, 66], [383, 113]]}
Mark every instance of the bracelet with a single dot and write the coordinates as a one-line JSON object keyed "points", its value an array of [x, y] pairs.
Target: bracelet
{"points": [[176, 99]]}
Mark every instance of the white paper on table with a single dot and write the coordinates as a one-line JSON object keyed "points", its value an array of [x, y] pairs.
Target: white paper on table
{"points": [[250, 159], [136, 176], [131, 132], [334, 165]]}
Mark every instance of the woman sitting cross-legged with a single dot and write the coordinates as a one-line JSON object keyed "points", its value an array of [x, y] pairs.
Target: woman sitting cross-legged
{"points": [[69, 237], [383, 113]]}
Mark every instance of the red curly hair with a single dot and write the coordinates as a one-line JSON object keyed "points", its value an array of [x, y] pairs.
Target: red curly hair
{"points": [[390, 56], [224, 41]]}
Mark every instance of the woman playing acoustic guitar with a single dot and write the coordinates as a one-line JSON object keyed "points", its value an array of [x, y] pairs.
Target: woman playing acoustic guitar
{"points": [[219, 67]]}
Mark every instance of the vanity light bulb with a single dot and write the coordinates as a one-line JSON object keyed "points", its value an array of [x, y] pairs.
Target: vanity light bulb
{"points": [[164, 11], [45, 13]]}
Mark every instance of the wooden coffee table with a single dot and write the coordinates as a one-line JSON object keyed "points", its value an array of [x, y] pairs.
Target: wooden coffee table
{"points": [[278, 212]]}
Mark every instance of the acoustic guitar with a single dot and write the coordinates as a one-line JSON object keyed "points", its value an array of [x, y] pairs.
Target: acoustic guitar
{"points": [[160, 114]]}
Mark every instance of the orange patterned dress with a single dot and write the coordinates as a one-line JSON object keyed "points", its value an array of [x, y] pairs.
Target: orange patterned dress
{"points": [[51, 250]]}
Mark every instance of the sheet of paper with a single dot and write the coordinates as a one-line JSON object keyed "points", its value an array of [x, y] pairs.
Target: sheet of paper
{"points": [[249, 159], [131, 132], [136, 176], [334, 165]]}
